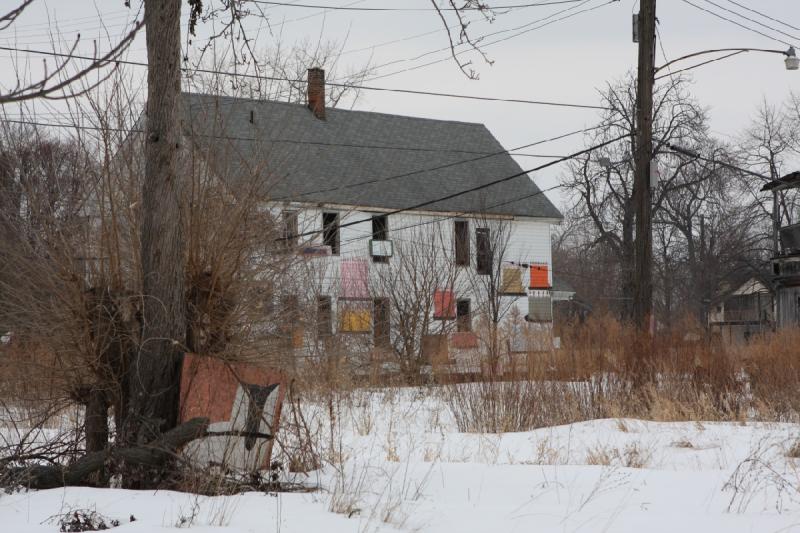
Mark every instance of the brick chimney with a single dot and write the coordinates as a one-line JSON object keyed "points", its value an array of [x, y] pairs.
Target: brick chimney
{"points": [[316, 92]]}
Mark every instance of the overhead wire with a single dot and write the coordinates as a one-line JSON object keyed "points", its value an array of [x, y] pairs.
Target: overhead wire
{"points": [[764, 15], [481, 37], [510, 151], [767, 26], [480, 187], [743, 26], [413, 9], [484, 45], [334, 84]]}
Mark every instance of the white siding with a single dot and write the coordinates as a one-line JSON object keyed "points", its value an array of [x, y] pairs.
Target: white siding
{"points": [[529, 242]]}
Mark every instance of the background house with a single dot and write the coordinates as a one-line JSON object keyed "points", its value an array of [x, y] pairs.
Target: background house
{"points": [[786, 263], [373, 205], [745, 311]]}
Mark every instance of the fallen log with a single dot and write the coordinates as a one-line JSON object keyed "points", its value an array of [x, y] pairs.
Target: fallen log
{"points": [[153, 454]]}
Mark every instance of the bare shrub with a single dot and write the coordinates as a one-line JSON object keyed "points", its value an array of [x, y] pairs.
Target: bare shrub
{"points": [[607, 370]]}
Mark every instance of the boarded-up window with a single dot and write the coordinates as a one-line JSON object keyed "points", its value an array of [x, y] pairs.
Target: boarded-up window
{"points": [[463, 315], [330, 231], [511, 282], [435, 349], [539, 278], [483, 258], [540, 308], [382, 321], [444, 305], [354, 279], [461, 228], [355, 318], [324, 314], [464, 340]]}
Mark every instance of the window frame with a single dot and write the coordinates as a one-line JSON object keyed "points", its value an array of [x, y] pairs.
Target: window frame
{"points": [[380, 234], [461, 243], [290, 228], [483, 251], [331, 231], [324, 315], [463, 320]]}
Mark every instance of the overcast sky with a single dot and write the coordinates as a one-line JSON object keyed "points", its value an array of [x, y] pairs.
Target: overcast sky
{"points": [[569, 60]]}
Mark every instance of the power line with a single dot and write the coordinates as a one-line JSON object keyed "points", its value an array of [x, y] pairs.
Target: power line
{"points": [[752, 20], [441, 167], [295, 197], [743, 26], [448, 217], [412, 9], [485, 45], [481, 37], [476, 188], [334, 84], [764, 15], [482, 155]]}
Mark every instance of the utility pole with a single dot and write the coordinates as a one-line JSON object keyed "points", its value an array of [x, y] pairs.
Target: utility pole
{"points": [[643, 273]]}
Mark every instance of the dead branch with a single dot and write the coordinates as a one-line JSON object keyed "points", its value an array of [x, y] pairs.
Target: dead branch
{"points": [[154, 454]]}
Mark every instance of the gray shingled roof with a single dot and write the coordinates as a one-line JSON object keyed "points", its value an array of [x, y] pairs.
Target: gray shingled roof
{"points": [[301, 158]]}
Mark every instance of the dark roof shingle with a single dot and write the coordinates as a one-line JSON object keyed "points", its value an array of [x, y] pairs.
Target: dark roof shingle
{"points": [[408, 160]]}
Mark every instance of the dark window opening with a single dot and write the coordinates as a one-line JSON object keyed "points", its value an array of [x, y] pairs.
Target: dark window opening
{"points": [[483, 259], [290, 310], [324, 316], [381, 322], [268, 303], [380, 232], [463, 315], [330, 231], [289, 229], [462, 242]]}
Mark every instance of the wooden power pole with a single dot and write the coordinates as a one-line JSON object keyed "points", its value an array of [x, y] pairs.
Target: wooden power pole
{"points": [[643, 273]]}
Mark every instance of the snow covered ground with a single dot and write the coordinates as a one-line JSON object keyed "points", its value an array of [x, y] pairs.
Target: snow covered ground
{"points": [[397, 463]]}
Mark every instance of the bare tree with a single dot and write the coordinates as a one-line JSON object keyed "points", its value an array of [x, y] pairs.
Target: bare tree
{"points": [[767, 147], [601, 186], [706, 235], [422, 265], [61, 79], [486, 282]]}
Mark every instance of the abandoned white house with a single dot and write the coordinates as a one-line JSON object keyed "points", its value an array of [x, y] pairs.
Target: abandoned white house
{"points": [[403, 236]]}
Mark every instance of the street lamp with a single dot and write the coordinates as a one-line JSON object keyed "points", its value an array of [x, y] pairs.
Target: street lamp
{"points": [[792, 62]]}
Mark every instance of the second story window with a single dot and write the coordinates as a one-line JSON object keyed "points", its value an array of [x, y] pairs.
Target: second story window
{"points": [[289, 229], [461, 230], [330, 231], [380, 232], [483, 257]]}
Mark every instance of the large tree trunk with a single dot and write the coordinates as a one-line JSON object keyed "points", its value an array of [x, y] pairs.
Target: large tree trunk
{"points": [[155, 372]]}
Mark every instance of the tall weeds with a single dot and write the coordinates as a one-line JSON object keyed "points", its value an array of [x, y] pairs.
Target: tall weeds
{"points": [[606, 369]]}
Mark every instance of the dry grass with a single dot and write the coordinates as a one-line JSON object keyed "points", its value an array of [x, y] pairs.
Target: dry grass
{"points": [[607, 370]]}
